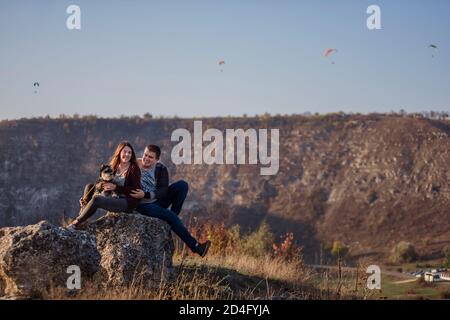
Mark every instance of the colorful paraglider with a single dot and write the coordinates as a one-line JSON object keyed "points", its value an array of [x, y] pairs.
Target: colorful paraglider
{"points": [[329, 52], [221, 63], [433, 47]]}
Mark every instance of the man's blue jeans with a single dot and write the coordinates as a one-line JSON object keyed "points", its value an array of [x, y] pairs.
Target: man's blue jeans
{"points": [[158, 209], [177, 194], [177, 226]]}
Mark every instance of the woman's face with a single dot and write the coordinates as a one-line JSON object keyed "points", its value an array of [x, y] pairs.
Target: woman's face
{"points": [[125, 155]]}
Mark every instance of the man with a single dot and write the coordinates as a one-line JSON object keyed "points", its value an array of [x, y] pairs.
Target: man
{"points": [[161, 193], [156, 196]]}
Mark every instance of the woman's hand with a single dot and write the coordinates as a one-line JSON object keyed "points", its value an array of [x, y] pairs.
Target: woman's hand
{"points": [[138, 194], [107, 186], [82, 202]]}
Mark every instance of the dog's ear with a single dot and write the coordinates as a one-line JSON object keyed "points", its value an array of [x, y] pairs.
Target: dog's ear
{"points": [[102, 167]]}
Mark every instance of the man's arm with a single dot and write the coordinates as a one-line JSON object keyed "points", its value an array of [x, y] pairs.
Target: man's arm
{"points": [[139, 162], [162, 185]]}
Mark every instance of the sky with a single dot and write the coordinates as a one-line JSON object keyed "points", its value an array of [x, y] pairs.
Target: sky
{"points": [[133, 57]]}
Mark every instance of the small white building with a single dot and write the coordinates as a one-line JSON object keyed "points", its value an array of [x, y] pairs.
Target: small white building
{"points": [[445, 276], [432, 277], [437, 276]]}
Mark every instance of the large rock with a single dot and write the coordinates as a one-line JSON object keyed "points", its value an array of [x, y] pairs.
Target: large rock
{"points": [[134, 249], [117, 250], [36, 257]]}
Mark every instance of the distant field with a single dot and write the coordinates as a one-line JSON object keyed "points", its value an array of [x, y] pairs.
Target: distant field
{"points": [[412, 290]]}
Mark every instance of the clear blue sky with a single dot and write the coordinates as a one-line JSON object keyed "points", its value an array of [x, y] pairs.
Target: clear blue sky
{"points": [[132, 57]]}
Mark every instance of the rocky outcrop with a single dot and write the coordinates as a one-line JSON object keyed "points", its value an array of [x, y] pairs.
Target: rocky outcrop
{"points": [[117, 250], [134, 249], [36, 257]]}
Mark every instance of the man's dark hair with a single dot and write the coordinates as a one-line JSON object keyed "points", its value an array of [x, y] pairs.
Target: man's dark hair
{"points": [[155, 149]]}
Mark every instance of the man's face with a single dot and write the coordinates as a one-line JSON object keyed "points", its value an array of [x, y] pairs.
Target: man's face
{"points": [[149, 158]]}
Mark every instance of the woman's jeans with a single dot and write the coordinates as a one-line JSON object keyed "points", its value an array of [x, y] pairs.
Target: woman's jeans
{"points": [[156, 211], [98, 201]]}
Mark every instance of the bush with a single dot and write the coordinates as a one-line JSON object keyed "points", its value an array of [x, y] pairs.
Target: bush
{"points": [[287, 250], [258, 243], [225, 240], [403, 252], [147, 116], [446, 252], [339, 249]]}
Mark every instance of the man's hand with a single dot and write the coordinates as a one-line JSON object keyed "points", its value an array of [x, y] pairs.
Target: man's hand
{"points": [[138, 194], [107, 186]]}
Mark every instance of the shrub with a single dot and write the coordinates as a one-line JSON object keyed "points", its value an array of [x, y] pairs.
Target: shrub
{"points": [[147, 116], [224, 240], [339, 249], [446, 252], [287, 250], [403, 252], [258, 243]]}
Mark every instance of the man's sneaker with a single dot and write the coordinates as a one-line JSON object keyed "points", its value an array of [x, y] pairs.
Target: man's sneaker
{"points": [[202, 248]]}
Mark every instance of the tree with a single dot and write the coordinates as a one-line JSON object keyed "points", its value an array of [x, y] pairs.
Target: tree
{"points": [[403, 252], [446, 252], [147, 116], [339, 250]]}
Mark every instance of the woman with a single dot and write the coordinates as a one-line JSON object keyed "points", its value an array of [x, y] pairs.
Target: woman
{"points": [[127, 178]]}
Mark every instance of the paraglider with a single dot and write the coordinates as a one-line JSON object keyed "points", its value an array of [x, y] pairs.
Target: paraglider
{"points": [[36, 85], [221, 62], [329, 52], [433, 47]]}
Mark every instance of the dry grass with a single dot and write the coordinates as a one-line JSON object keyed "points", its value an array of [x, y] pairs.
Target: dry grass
{"points": [[264, 267], [277, 271], [188, 285], [228, 278]]}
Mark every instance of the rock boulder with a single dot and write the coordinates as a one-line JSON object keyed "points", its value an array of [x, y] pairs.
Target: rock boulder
{"points": [[36, 257], [118, 250], [134, 249]]}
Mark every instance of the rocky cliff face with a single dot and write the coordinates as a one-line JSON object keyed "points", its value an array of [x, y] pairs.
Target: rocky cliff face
{"points": [[369, 181], [118, 250]]}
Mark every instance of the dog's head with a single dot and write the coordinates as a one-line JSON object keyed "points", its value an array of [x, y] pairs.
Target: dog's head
{"points": [[106, 172]]}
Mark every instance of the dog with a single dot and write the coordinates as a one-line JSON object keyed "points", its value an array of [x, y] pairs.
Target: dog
{"points": [[106, 175]]}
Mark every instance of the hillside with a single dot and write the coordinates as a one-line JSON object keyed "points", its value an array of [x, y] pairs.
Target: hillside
{"points": [[367, 180]]}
